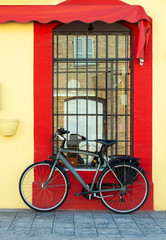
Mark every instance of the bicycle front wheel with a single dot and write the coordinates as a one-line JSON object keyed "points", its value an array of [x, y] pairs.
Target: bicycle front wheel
{"points": [[134, 193], [37, 197]]}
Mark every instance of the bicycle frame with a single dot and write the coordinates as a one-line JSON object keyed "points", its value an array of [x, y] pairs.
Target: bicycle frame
{"points": [[76, 175], [73, 171]]}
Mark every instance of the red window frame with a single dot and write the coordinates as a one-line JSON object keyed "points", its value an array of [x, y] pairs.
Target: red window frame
{"points": [[142, 109]]}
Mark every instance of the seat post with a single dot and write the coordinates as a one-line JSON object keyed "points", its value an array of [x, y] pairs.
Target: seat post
{"points": [[103, 149]]}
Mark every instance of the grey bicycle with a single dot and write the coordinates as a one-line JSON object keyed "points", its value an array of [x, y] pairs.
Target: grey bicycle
{"points": [[122, 186]]}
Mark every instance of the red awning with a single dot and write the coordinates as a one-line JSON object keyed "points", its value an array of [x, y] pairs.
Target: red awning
{"points": [[87, 11]]}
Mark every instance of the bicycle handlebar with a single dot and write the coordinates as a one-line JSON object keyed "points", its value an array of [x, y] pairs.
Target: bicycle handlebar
{"points": [[62, 131]]}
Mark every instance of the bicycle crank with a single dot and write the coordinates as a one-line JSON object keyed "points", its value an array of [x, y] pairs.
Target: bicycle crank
{"points": [[96, 196], [87, 195]]}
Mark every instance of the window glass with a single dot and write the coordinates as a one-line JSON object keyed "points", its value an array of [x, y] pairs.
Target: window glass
{"points": [[93, 98], [83, 48]]}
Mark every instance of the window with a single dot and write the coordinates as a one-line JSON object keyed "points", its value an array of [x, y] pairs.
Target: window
{"points": [[83, 47], [94, 100]]}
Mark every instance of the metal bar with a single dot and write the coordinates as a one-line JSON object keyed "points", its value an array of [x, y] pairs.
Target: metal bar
{"points": [[67, 76], [87, 124], [132, 93], [112, 108], [117, 48], [97, 90], [102, 115], [57, 86], [77, 97], [126, 94], [52, 93], [95, 59], [106, 91], [62, 72]]}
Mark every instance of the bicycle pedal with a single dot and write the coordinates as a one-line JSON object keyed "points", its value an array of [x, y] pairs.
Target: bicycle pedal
{"points": [[78, 194], [81, 193]]}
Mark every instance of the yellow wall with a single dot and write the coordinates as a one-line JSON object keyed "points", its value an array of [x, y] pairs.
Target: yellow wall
{"points": [[16, 100], [156, 10]]}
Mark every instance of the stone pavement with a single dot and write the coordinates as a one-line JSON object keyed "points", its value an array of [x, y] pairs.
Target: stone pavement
{"points": [[68, 225]]}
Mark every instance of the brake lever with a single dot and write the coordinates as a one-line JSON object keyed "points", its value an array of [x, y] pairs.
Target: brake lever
{"points": [[60, 136]]}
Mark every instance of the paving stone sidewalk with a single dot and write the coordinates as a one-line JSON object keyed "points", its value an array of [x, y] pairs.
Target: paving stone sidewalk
{"points": [[66, 224]]}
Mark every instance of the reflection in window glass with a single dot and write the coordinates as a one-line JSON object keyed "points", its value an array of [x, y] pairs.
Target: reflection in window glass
{"points": [[93, 98]]}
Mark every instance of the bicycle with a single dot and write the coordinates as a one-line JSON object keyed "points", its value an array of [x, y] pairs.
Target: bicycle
{"points": [[122, 186]]}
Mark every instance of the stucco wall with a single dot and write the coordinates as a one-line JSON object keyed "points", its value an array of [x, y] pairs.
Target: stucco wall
{"points": [[16, 99], [16, 102]]}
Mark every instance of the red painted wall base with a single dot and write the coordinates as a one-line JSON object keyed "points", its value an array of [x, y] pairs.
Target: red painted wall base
{"points": [[80, 203]]}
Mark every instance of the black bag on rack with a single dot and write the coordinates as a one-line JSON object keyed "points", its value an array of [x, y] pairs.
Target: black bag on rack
{"points": [[123, 172]]}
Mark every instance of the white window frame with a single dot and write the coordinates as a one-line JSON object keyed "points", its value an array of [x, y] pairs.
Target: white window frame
{"points": [[83, 53]]}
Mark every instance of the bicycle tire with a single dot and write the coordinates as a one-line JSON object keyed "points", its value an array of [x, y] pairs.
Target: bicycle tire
{"points": [[135, 182], [37, 198]]}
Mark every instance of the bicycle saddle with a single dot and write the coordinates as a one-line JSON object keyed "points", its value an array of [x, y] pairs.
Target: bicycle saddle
{"points": [[106, 142]]}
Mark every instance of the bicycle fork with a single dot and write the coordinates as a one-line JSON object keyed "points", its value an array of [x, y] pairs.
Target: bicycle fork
{"points": [[44, 185]]}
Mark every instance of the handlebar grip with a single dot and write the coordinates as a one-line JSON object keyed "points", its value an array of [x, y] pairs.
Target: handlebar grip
{"points": [[65, 131], [62, 131]]}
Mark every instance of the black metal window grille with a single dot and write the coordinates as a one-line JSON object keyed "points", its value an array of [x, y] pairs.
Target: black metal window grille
{"points": [[94, 100]]}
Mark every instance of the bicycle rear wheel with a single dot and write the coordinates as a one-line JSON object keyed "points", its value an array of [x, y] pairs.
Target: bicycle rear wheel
{"points": [[43, 199], [134, 194]]}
